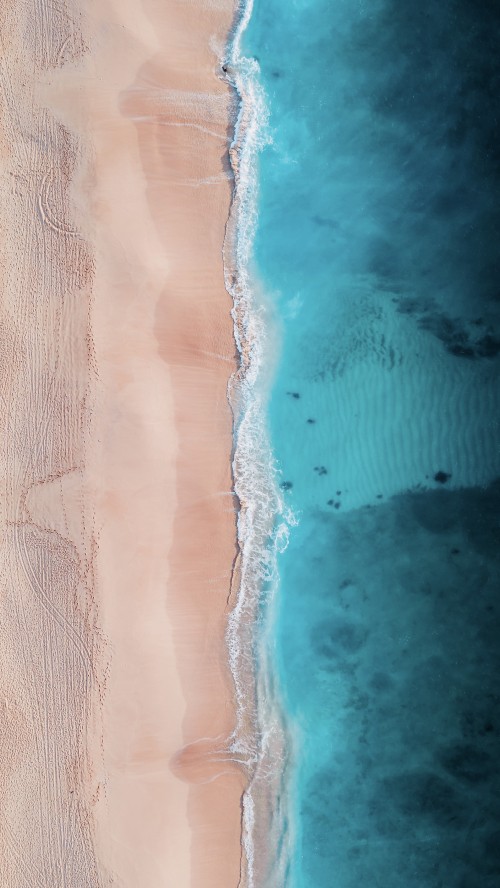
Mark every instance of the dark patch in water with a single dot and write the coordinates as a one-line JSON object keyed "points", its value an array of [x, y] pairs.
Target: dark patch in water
{"points": [[461, 351], [380, 681], [422, 796], [295, 395], [476, 511], [488, 347], [321, 470], [324, 222], [467, 763], [442, 477], [434, 511], [473, 340], [481, 719], [286, 485], [337, 639]]}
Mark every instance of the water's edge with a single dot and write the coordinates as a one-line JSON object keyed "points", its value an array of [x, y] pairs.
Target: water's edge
{"points": [[259, 738]]}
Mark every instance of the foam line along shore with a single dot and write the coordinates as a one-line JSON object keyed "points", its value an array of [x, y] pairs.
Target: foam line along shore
{"points": [[259, 739]]}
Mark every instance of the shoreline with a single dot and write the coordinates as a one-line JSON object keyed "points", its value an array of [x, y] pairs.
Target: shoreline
{"points": [[263, 518]]}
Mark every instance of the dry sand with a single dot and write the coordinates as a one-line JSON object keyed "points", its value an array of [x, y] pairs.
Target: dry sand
{"points": [[118, 517]]}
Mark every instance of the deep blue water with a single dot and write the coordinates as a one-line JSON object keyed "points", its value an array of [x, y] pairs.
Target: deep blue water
{"points": [[378, 244]]}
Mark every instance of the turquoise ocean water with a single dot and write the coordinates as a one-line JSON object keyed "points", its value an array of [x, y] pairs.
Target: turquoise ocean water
{"points": [[376, 242]]}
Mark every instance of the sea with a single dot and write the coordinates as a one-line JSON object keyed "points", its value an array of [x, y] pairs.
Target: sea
{"points": [[366, 280]]}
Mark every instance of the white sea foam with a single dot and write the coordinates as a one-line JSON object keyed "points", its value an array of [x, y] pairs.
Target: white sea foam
{"points": [[263, 521]]}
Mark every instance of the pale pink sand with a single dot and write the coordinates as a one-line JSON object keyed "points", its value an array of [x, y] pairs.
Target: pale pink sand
{"points": [[125, 308], [164, 349]]}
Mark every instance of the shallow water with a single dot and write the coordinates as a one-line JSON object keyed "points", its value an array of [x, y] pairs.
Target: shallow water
{"points": [[377, 244]]}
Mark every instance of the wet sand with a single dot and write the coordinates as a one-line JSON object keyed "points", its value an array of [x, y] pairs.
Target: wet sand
{"points": [[119, 535]]}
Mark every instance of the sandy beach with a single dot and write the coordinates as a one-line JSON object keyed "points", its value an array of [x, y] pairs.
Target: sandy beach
{"points": [[119, 519]]}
